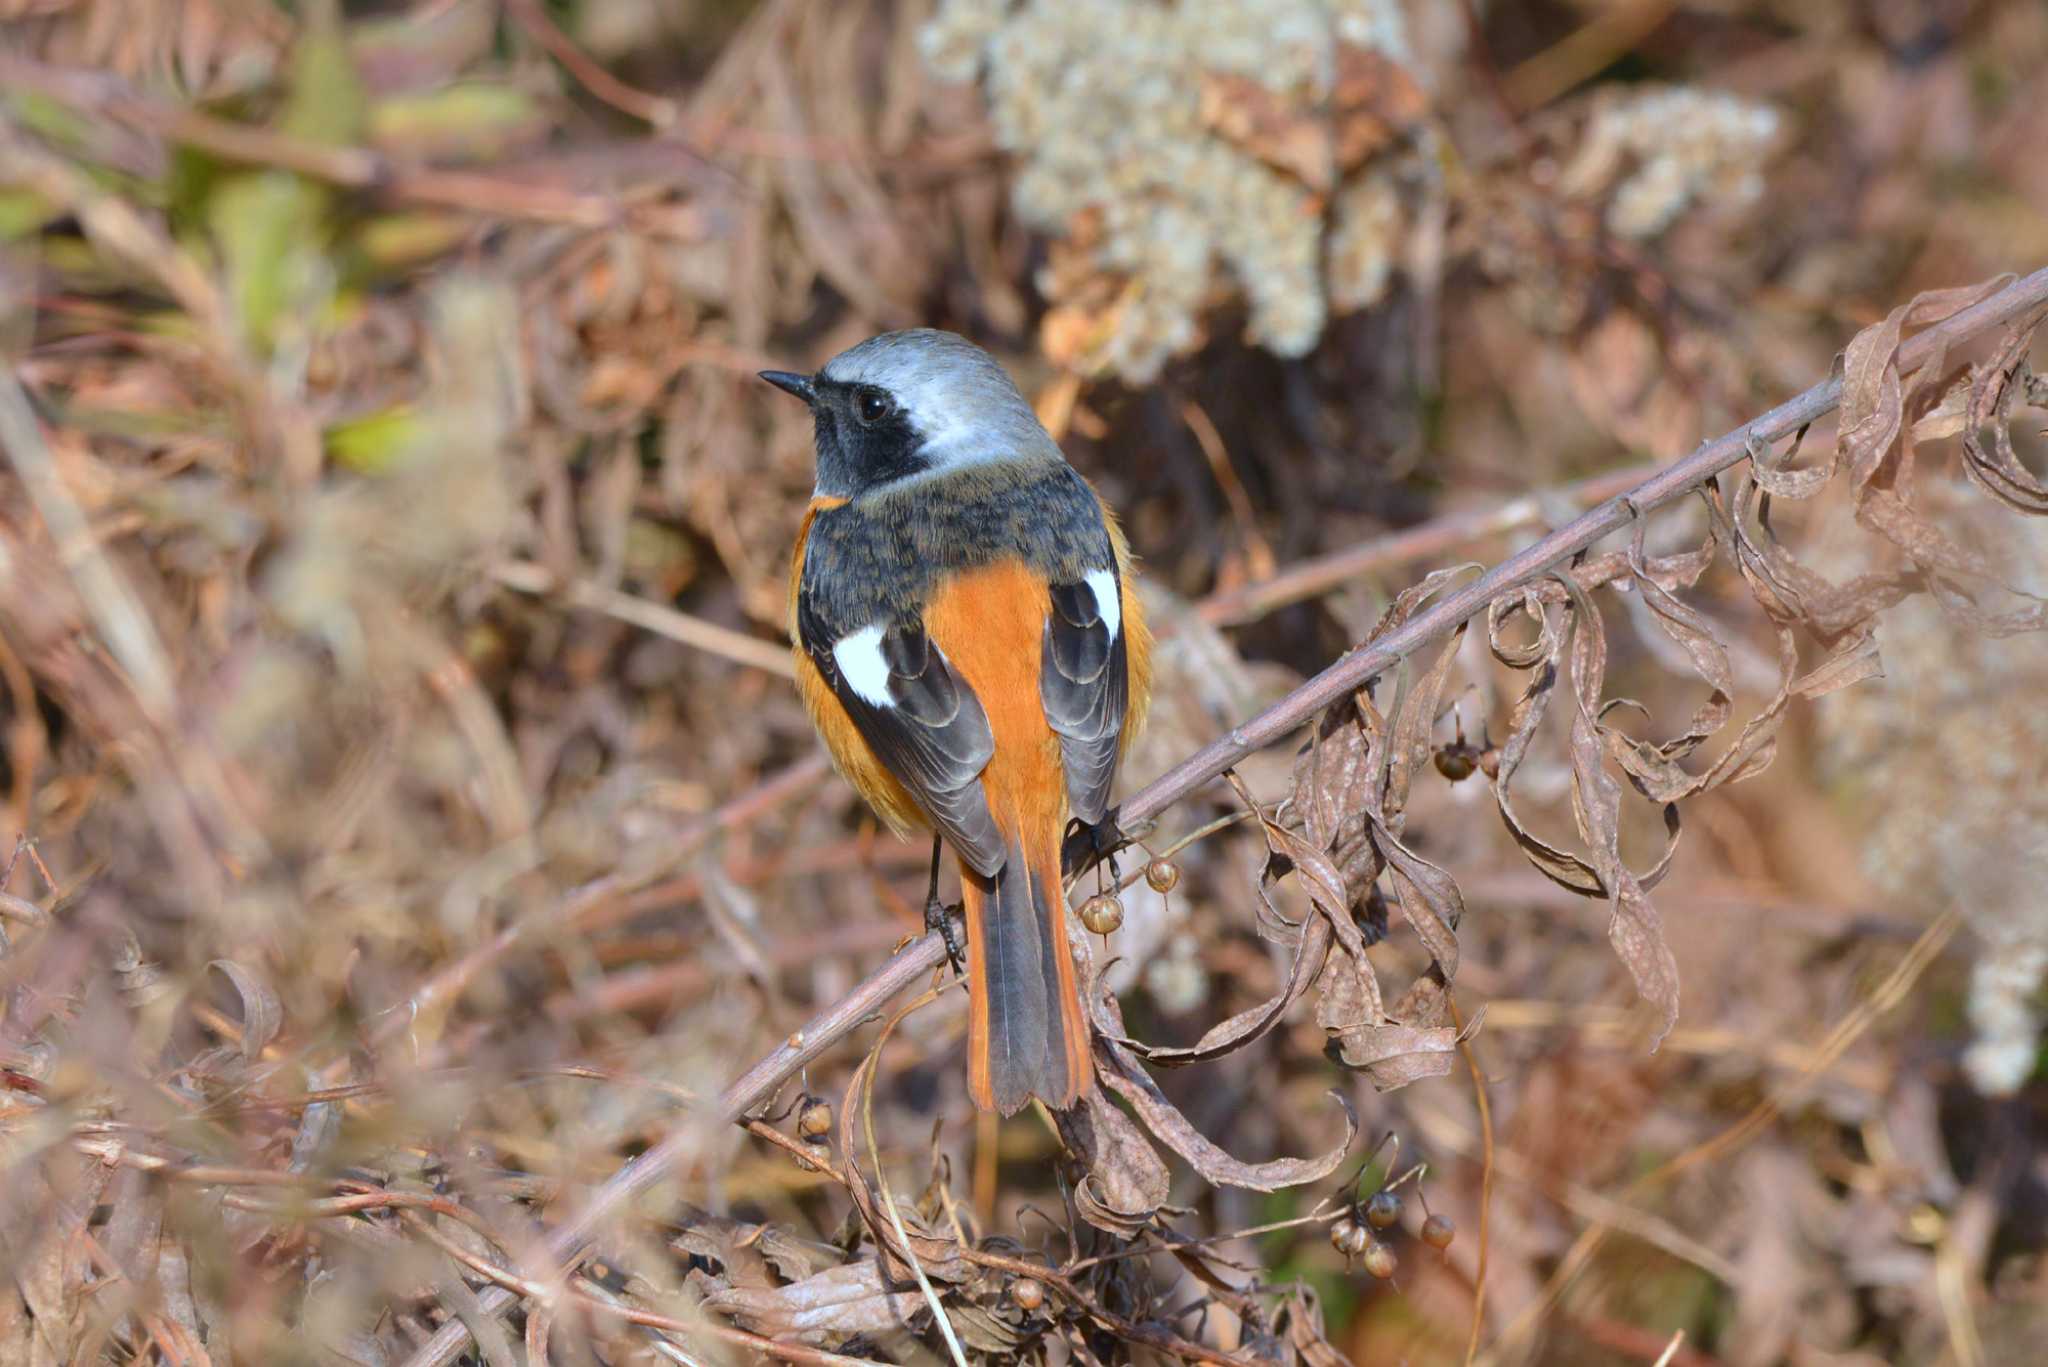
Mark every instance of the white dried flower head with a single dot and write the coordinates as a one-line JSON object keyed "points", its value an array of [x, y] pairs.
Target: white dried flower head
{"points": [[951, 44], [1376, 25], [1103, 105], [1677, 147], [1948, 770], [2002, 986], [1371, 225]]}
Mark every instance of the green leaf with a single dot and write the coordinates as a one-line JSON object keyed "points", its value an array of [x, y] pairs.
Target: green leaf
{"points": [[473, 120], [377, 443], [394, 242], [270, 229], [23, 212], [328, 103]]}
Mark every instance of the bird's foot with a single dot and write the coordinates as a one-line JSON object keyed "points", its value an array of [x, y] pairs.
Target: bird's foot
{"points": [[1098, 842], [938, 916]]}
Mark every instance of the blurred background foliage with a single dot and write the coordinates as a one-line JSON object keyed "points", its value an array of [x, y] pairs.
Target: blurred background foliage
{"points": [[390, 625]]}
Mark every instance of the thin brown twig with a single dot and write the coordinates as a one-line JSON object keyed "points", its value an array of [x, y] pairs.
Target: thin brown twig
{"points": [[1276, 722], [353, 168], [1115, 1323], [1317, 575], [1865, 1014], [445, 986], [649, 615], [1486, 1167], [652, 109]]}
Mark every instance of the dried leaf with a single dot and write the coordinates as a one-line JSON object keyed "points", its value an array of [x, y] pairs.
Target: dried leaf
{"points": [[1348, 995], [1692, 633], [732, 1244], [1127, 1181], [1392, 1048], [262, 1012], [1243, 111], [1242, 1028], [1877, 441], [1995, 466], [833, 1305], [1373, 103], [1566, 870], [1635, 930], [1428, 896], [1394, 1055], [938, 1255], [1415, 714], [985, 1330], [1311, 946], [1123, 1076]]}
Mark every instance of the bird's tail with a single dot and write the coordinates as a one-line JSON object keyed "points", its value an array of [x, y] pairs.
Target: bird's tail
{"points": [[1026, 1033]]}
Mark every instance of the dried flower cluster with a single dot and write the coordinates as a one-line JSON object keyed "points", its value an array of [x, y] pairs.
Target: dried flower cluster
{"points": [[1943, 767], [1182, 152], [1658, 152]]}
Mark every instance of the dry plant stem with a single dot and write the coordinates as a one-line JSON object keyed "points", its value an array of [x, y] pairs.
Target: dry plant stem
{"points": [[1486, 1168], [648, 615], [568, 1239], [114, 609], [450, 982], [1334, 683], [653, 109], [1887, 995], [1318, 575], [1668, 484], [353, 168]]}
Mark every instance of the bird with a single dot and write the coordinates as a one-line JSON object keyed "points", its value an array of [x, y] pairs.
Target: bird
{"points": [[970, 647]]}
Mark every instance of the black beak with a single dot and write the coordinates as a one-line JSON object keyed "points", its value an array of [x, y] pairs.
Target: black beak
{"points": [[789, 382]]}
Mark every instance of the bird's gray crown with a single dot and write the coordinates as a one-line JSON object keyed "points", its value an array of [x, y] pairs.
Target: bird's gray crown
{"points": [[958, 398]]}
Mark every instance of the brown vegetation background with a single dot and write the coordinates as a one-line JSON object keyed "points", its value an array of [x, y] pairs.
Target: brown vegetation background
{"points": [[418, 821]]}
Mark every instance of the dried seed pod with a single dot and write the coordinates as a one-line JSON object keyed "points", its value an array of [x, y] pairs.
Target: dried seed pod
{"points": [[1489, 761], [1102, 914], [1383, 1211], [1457, 761], [814, 1121], [1028, 1293], [1380, 1260], [1438, 1232], [1348, 1237], [1163, 875]]}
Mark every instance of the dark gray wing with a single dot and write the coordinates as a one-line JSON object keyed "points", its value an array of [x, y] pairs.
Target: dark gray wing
{"points": [[1084, 683], [934, 737]]}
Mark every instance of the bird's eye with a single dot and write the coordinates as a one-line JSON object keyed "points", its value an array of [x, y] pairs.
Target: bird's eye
{"points": [[873, 406]]}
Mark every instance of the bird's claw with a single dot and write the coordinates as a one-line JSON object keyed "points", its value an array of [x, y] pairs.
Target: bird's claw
{"points": [[939, 917]]}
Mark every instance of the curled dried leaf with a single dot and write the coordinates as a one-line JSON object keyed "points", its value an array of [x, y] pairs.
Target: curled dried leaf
{"points": [[1876, 438], [262, 1012], [1127, 1181], [832, 1306], [1123, 1075], [1988, 456], [937, 1254], [1635, 930], [1565, 869]]}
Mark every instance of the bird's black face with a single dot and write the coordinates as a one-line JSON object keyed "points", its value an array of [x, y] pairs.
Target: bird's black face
{"points": [[865, 438]]}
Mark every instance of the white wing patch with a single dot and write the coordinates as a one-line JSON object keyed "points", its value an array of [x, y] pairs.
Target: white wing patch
{"points": [[1108, 602], [859, 657]]}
